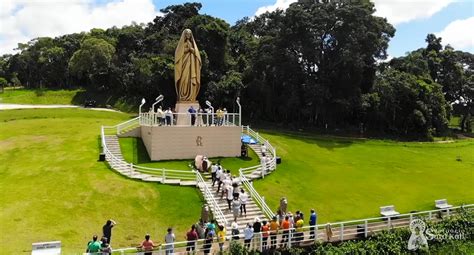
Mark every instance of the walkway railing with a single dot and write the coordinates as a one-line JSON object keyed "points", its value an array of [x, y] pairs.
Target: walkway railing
{"points": [[209, 197], [269, 164], [347, 230], [120, 164], [127, 125], [201, 119], [255, 196]]}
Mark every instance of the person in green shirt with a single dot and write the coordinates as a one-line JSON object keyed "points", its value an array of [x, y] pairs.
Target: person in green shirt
{"points": [[94, 245]]}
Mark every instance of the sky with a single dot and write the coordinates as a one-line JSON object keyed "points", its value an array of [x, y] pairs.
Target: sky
{"points": [[23, 20]]}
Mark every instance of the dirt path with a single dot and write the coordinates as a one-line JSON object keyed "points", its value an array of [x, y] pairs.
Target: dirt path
{"points": [[37, 106]]}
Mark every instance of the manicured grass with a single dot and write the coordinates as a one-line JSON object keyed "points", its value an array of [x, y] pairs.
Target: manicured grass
{"points": [[134, 151], [53, 187], [346, 179], [22, 96]]}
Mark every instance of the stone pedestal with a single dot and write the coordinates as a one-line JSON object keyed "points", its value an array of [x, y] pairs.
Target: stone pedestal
{"points": [[185, 142], [183, 119]]}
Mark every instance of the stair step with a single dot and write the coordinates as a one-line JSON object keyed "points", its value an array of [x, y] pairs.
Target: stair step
{"points": [[188, 183], [152, 179], [172, 181]]}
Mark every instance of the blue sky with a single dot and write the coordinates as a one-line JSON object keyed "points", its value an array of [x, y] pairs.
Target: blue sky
{"points": [[22, 20]]}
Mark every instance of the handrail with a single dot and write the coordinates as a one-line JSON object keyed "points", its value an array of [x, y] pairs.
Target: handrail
{"points": [[162, 173], [202, 119], [218, 214], [128, 123], [269, 165], [257, 198], [340, 230]]}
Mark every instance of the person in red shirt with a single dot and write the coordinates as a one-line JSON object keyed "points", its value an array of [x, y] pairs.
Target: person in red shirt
{"points": [[191, 237], [285, 225], [147, 245]]}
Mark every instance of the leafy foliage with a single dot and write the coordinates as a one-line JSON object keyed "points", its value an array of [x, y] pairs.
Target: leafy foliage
{"points": [[318, 64]]}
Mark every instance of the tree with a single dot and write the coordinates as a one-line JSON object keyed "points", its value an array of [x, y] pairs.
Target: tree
{"points": [[92, 61]]}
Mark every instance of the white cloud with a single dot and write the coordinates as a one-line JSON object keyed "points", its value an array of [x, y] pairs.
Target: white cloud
{"points": [[458, 33], [401, 11], [280, 4], [21, 21], [396, 11]]}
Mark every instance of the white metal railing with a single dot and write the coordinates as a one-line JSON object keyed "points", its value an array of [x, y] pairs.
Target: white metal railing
{"points": [[347, 230], [209, 197], [256, 197], [270, 160], [123, 166], [128, 125], [188, 119]]}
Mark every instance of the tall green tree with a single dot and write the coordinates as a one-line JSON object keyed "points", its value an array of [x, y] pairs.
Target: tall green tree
{"points": [[91, 63]]}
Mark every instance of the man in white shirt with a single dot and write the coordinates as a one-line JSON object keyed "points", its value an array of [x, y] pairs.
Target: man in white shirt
{"points": [[219, 175], [214, 168], [243, 201], [169, 240]]}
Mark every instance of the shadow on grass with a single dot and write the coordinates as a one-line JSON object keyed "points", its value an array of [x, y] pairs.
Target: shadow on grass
{"points": [[323, 141], [140, 154], [102, 99]]}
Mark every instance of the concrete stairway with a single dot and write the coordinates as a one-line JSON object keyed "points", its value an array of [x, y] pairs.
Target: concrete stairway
{"points": [[113, 146], [253, 210], [257, 173]]}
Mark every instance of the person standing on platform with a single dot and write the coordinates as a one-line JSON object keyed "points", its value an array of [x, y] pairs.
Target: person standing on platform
{"points": [[221, 238], [248, 235], [169, 117], [161, 116], [192, 113], [208, 243], [169, 240], [191, 237], [147, 245], [312, 223], [274, 226], [94, 245]]}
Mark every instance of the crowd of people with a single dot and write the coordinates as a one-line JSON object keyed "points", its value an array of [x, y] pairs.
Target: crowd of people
{"points": [[198, 117], [259, 234], [262, 234]]}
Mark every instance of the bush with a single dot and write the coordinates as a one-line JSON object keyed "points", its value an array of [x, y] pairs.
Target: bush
{"points": [[452, 235]]}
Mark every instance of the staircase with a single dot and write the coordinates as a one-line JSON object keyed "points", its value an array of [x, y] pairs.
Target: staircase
{"points": [[117, 162], [252, 209], [256, 206]]}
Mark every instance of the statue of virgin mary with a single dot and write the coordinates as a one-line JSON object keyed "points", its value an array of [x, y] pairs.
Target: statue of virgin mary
{"points": [[187, 68]]}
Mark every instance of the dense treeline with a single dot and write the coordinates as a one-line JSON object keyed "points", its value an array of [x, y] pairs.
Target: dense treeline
{"points": [[315, 64]]}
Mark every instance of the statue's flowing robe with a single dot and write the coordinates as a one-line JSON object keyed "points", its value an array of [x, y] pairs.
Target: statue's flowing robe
{"points": [[187, 69]]}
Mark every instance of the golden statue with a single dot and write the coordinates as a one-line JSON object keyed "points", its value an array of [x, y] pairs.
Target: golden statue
{"points": [[187, 68]]}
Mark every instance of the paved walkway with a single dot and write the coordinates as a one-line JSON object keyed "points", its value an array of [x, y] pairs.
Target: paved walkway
{"points": [[47, 106]]}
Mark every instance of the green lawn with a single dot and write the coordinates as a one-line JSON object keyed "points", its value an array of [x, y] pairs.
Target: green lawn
{"points": [[53, 188], [134, 151], [347, 179], [22, 96]]}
